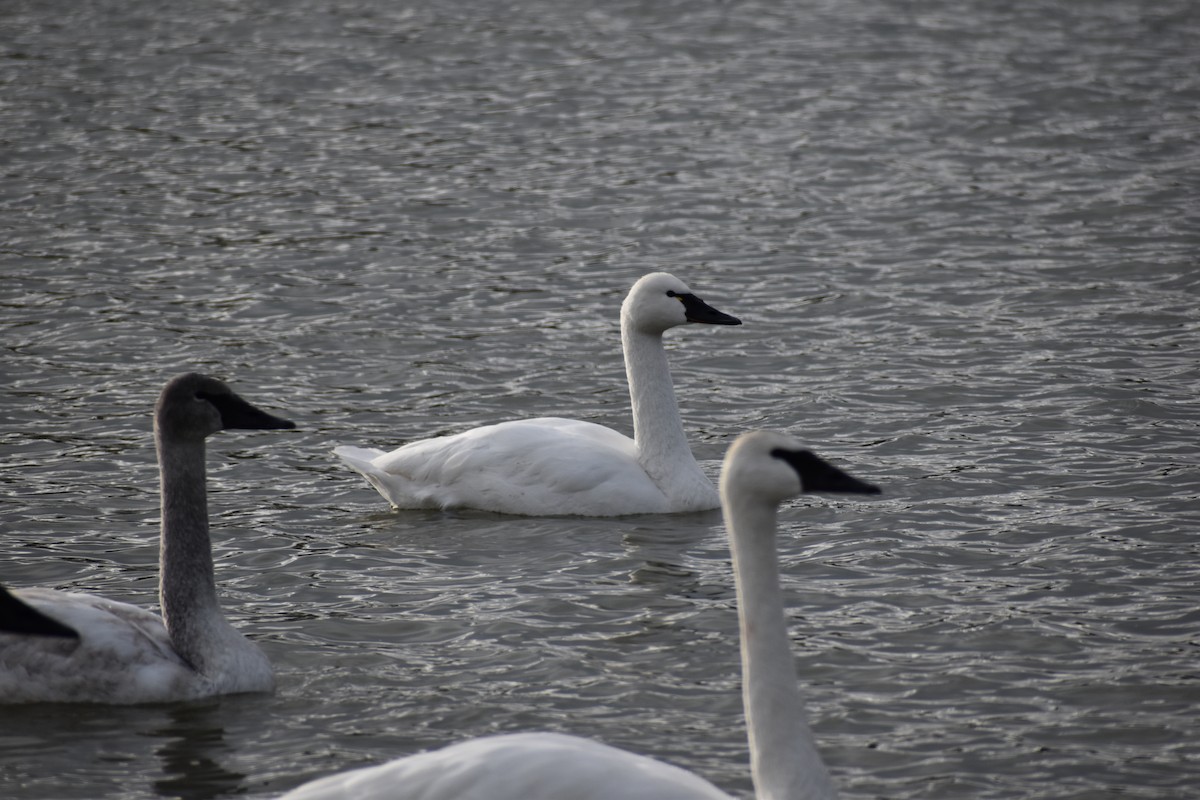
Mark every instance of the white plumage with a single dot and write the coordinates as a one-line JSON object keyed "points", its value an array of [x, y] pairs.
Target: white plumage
{"points": [[69, 647], [551, 465], [528, 766], [761, 470]]}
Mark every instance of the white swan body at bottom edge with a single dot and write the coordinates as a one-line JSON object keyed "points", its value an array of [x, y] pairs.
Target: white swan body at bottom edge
{"points": [[541, 467], [123, 656], [532, 766]]}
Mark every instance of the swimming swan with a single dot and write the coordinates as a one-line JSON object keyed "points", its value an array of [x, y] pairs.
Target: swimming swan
{"points": [[552, 465], [69, 647], [761, 470]]}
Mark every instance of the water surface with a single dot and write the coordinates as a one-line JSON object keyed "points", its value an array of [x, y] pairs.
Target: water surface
{"points": [[963, 241]]}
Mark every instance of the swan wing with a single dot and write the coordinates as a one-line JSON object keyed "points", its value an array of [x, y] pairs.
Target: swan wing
{"points": [[542, 466], [123, 655], [524, 766]]}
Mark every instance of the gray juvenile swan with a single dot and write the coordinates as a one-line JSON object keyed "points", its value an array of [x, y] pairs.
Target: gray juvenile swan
{"points": [[70, 647], [761, 470], [551, 465]]}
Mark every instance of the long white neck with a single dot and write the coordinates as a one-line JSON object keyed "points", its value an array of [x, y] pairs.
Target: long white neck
{"points": [[657, 429], [783, 757], [187, 590]]}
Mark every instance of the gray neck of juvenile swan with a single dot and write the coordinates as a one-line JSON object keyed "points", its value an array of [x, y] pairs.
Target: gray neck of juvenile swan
{"points": [[657, 429], [187, 589], [784, 760]]}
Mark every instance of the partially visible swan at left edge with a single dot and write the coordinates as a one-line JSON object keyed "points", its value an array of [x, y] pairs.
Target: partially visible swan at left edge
{"points": [[762, 469], [70, 647], [551, 465]]}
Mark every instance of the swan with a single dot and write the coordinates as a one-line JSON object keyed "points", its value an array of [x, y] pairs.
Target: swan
{"points": [[69, 647], [761, 470], [551, 465]]}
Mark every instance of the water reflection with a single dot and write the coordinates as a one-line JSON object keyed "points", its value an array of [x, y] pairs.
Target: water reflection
{"points": [[194, 741]]}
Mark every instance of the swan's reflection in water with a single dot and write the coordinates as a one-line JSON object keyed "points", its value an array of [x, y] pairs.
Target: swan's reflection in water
{"points": [[664, 552], [193, 743]]}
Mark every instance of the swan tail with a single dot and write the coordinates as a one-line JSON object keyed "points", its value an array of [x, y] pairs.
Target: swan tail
{"points": [[396, 489], [358, 458]]}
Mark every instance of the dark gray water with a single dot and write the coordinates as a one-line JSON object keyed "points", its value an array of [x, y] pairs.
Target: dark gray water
{"points": [[963, 238]]}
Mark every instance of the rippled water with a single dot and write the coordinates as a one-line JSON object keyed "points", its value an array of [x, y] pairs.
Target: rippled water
{"points": [[963, 238]]}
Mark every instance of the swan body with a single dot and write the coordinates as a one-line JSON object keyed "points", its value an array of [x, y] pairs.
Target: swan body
{"points": [[761, 470], [550, 465], [70, 647], [529, 766]]}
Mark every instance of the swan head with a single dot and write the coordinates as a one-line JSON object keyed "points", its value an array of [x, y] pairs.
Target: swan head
{"points": [[193, 406], [775, 466], [659, 301]]}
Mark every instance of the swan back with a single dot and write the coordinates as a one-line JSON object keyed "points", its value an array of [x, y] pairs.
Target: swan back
{"points": [[120, 654], [517, 766], [17, 616]]}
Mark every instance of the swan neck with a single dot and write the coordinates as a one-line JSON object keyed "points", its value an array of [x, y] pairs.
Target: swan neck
{"points": [[657, 428], [187, 589], [784, 760]]}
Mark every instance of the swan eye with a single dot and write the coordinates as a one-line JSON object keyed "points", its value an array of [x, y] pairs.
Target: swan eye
{"points": [[676, 295]]}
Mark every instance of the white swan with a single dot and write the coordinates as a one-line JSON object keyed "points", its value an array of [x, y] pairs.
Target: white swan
{"points": [[69, 647], [551, 465], [761, 470]]}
